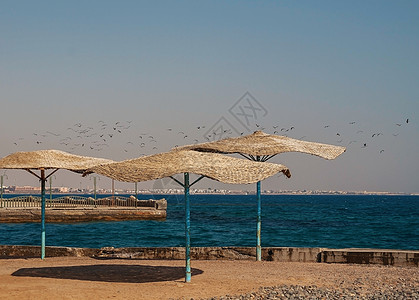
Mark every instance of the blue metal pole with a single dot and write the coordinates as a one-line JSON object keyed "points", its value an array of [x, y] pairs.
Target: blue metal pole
{"points": [[43, 214], [1, 187], [1, 204], [259, 224], [187, 230], [50, 190]]}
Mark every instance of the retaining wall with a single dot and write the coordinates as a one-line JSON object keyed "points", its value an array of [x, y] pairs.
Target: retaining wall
{"points": [[283, 254]]}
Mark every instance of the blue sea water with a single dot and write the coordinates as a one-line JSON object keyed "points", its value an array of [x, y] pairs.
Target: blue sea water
{"points": [[331, 221]]}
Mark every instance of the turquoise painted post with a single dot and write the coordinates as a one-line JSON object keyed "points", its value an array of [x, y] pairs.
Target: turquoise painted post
{"points": [[187, 229], [50, 191], [1, 191], [43, 214], [259, 224]]}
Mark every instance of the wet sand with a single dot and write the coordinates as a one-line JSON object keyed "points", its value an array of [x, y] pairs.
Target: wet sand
{"points": [[89, 278]]}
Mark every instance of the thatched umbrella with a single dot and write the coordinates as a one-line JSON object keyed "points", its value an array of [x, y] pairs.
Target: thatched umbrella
{"points": [[261, 146], [211, 165], [43, 160]]}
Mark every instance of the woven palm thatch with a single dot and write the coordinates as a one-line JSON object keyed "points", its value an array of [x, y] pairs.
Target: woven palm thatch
{"points": [[214, 166], [261, 144], [50, 159]]}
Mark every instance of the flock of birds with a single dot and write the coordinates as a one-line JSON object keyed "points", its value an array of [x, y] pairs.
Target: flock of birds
{"points": [[101, 136]]}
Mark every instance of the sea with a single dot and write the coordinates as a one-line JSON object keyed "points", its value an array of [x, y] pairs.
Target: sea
{"points": [[329, 221]]}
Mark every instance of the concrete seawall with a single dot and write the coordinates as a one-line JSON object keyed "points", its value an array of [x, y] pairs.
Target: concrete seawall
{"points": [[403, 258]]}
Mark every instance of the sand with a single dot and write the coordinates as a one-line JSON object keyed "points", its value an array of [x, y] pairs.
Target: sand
{"points": [[89, 278]]}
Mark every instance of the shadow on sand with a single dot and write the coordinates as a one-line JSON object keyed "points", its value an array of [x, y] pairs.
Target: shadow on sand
{"points": [[110, 273]]}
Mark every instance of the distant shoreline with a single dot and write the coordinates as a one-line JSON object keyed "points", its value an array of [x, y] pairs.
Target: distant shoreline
{"points": [[223, 192]]}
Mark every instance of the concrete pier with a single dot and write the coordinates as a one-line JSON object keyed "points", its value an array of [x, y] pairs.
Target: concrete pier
{"points": [[152, 210]]}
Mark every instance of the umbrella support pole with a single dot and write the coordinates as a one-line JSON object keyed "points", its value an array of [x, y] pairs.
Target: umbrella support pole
{"points": [[187, 229], [186, 185], [43, 214], [259, 224]]}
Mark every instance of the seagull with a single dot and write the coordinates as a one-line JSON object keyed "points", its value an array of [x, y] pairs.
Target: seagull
{"points": [[365, 145], [407, 121], [381, 151], [351, 123], [53, 133]]}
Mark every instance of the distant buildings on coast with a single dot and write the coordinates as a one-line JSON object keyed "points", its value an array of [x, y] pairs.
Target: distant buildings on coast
{"points": [[69, 190]]}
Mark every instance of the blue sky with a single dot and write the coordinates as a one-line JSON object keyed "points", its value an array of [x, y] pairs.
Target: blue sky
{"points": [[164, 68]]}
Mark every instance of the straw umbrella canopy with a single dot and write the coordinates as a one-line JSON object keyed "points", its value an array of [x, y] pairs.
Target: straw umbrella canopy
{"points": [[215, 166], [260, 146], [266, 146], [43, 160]]}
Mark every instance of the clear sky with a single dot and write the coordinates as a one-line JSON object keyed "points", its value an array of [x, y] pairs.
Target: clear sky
{"points": [[120, 79]]}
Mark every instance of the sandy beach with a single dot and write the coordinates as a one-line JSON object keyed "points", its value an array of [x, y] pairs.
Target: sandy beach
{"points": [[89, 278]]}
